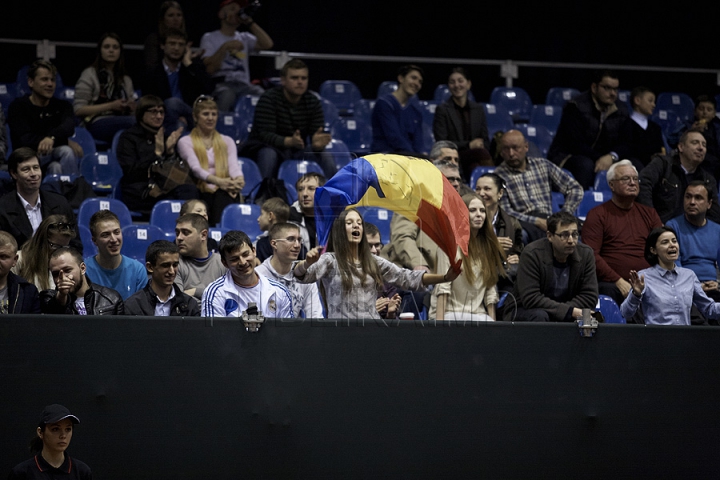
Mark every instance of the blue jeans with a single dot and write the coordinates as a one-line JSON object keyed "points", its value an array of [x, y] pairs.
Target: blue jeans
{"points": [[61, 160], [174, 109]]}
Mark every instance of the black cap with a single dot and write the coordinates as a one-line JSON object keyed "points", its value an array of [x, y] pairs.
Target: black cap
{"points": [[54, 413]]}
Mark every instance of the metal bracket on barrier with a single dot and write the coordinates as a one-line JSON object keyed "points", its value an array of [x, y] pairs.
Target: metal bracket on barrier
{"points": [[252, 318], [587, 324]]}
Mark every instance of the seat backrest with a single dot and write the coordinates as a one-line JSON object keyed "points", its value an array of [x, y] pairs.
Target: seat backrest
{"points": [[245, 106], [102, 171], [477, 173], [89, 248], [7, 95], [537, 134], [340, 153], [230, 124], [85, 139], [591, 199], [330, 112], [601, 183], [115, 140], [164, 214], [379, 217], [498, 119], [680, 103], [137, 238], [290, 171], [251, 172], [559, 95], [343, 93], [609, 309], [515, 99], [547, 116], [356, 134], [242, 217], [92, 205], [388, 86]]}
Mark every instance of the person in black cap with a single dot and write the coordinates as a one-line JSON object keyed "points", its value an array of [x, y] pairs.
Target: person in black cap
{"points": [[53, 437]]}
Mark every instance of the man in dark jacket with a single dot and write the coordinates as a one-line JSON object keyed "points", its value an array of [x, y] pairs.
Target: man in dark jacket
{"points": [[664, 180], [75, 294], [161, 297], [590, 136], [17, 295]]}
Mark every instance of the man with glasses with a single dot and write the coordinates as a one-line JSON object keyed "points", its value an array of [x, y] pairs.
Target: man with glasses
{"points": [[530, 182], [285, 241], [591, 134], [139, 147], [616, 231], [556, 276]]}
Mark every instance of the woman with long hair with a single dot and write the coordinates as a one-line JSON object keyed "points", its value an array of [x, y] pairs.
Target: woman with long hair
{"points": [[104, 94], [473, 295], [170, 16], [351, 276], [54, 232], [213, 160], [52, 438]]}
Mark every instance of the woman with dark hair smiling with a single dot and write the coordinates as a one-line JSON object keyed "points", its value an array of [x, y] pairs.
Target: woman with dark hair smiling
{"points": [[665, 291], [53, 436]]}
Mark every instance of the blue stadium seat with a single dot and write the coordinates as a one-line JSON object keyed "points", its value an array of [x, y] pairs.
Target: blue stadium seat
{"points": [[557, 96], [331, 114], [442, 93], [515, 99], [357, 135], [164, 214], [245, 106], [380, 217], [231, 124], [670, 123], [609, 309], [678, 102], [115, 140], [428, 110], [7, 95], [343, 93], [251, 172], [363, 112], [290, 171], [601, 183], [85, 139], [477, 173], [428, 137], [216, 233], [8, 140], [624, 96], [65, 93], [546, 115], [102, 171], [94, 204], [242, 217], [388, 86], [558, 200], [538, 135], [498, 118], [340, 153], [137, 238], [590, 200], [89, 248]]}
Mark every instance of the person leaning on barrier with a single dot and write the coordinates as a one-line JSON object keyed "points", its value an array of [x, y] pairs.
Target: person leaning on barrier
{"points": [[74, 293]]}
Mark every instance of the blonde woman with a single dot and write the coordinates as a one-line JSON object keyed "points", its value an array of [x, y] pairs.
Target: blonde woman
{"points": [[213, 160]]}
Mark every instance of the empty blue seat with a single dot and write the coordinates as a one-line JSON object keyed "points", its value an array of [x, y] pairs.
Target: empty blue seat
{"points": [[515, 99], [428, 110], [477, 173], [609, 309], [102, 171], [340, 153], [95, 204], [559, 95], [498, 119], [331, 114], [85, 139], [290, 171], [216, 233], [678, 102], [137, 238], [245, 106], [7, 95], [251, 172], [357, 135], [591, 199], [538, 135], [379, 217], [670, 123], [164, 214], [115, 140], [230, 124], [624, 96], [89, 248], [344, 94], [546, 115], [242, 217], [601, 183]]}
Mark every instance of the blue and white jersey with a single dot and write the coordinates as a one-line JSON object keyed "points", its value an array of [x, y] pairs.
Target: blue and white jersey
{"points": [[223, 298]]}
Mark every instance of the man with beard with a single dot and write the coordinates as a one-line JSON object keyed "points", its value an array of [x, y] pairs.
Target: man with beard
{"points": [[74, 293]]}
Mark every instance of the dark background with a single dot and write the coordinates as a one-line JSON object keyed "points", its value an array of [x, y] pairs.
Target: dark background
{"points": [[579, 32]]}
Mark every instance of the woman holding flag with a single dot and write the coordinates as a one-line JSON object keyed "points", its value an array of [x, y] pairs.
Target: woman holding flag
{"points": [[351, 276]]}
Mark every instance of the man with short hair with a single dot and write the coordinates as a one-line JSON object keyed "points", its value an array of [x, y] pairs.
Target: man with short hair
{"points": [[17, 295], [198, 266], [226, 53], [288, 124], [285, 242], [109, 267], [231, 294], [616, 231], [445, 151], [699, 238], [44, 123], [556, 276], [22, 209], [664, 181], [530, 182], [396, 119], [590, 137], [161, 297], [74, 293], [302, 212]]}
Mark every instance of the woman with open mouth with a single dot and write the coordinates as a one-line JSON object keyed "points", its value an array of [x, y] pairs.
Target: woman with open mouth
{"points": [[665, 291]]}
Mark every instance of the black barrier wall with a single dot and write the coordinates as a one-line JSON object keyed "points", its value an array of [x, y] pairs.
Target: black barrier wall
{"points": [[190, 399]]}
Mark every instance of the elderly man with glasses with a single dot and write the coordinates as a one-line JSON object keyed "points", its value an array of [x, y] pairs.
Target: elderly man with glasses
{"points": [[616, 231]]}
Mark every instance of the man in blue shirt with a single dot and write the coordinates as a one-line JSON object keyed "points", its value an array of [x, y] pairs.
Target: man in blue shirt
{"points": [[397, 118]]}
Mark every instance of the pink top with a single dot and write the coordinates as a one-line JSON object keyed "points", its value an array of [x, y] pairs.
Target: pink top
{"points": [[185, 149]]}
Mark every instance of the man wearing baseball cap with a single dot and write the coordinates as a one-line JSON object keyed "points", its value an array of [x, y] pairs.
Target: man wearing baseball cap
{"points": [[226, 53], [54, 433]]}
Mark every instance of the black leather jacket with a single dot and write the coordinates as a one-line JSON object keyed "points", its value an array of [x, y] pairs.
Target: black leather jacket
{"points": [[144, 301], [99, 300]]}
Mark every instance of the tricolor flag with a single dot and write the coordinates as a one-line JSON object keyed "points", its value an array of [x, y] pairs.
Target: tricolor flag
{"points": [[412, 187]]}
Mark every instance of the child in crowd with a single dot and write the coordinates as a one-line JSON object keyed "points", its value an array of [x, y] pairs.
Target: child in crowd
{"points": [[273, 210]]}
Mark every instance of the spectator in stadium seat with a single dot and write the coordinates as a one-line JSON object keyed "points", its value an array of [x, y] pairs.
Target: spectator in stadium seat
{"points": [[397, 119], [109, 267], [17, 295], [44, 123], [445, 151], [707, 123], [227, 53], [590, 135], [666, 292], [170, 17], [198, 266], [22, 209], [351, 276], [104, 94], [699, 237], [273, 210], [556, 277], [161, 297], [529, 183], [74, 293], [463, 121], [664, 180], [302, 212], [644, 136], [288, 124], [616, 231], [284, 239]]}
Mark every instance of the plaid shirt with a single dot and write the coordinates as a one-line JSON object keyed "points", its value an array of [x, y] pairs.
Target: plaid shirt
{"points": [[530, 191]]}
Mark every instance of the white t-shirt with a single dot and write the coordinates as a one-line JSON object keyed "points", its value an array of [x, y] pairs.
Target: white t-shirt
{"points": [[223, 298], [234, 68]]}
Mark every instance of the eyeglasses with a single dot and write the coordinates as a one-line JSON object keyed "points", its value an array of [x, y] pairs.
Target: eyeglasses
{"points": [[201, 99], [608, 88], [292, 240], [626, 180], [566, 235], [62, 226], [156, 111]]}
